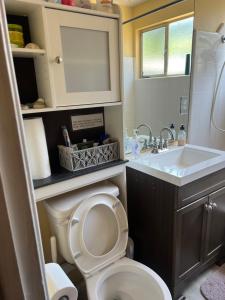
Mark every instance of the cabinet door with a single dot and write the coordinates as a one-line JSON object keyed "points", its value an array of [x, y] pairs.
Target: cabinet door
{"points": [[189, 237], [84, 58], [151, 217], [215, 236]]}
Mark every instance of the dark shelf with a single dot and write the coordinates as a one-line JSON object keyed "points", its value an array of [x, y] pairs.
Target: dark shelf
{"points": [[63, 174]]}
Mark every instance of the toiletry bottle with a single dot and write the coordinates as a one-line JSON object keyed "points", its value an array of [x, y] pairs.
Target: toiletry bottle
{"points": [[69, 2], [105, 5], [172, 128], [182, 136], [135, 144]]}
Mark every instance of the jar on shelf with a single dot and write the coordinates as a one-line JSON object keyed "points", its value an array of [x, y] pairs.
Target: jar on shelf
{"points": [[16, 35], [105, 5], [84, 4], [69, 2]]}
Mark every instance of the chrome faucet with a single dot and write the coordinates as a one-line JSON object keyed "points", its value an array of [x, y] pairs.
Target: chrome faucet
{"points": [[169, 131], [150, 133], [165, 144]]}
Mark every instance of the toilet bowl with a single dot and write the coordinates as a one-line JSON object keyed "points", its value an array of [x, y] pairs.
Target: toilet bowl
{"points": [[127, 280], [91, 228]]}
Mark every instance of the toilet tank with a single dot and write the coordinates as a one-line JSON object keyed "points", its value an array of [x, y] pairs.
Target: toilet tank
{"points": [[60, 208]]}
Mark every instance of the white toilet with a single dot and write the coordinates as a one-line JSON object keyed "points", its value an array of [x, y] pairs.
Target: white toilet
{"points": [[91, 228]]}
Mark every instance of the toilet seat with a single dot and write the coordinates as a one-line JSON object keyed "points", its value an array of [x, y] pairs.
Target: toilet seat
{"points": [[97, 233]]}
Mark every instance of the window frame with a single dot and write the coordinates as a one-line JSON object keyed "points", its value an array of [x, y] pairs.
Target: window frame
{"points": [[166, 56]]}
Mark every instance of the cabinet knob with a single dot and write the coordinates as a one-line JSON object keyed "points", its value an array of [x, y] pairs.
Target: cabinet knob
{"points": [[208, 207], [213, 204], [58, 59]]}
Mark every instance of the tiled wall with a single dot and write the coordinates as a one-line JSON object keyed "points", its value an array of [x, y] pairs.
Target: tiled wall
{"points": [[208, 58], [157, 101]]}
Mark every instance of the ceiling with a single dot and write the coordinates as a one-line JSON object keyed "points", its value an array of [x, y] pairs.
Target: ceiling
{"points": [[129, 2]]}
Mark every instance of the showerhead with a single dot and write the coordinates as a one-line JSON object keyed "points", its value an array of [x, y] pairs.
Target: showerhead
{"points": [[221, 30]]}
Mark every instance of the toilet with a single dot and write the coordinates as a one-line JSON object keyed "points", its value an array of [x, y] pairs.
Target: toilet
{"points": [[91, 228]]}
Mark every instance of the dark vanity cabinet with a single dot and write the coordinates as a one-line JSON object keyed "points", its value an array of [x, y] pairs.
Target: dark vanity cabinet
{"points": [[177, 231]]}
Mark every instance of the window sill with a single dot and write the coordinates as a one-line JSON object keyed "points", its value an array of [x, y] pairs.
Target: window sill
{"points": [[162, 77]]}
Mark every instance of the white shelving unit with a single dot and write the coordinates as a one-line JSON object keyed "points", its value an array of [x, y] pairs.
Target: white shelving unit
{"points": [[28, 53], [113, 111], [35, 10]]}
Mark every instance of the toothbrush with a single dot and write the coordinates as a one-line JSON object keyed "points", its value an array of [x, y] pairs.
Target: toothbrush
{"points": [[66, 136]]}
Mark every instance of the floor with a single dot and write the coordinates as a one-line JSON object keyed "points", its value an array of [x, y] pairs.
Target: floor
{"points": [[193, 291]]}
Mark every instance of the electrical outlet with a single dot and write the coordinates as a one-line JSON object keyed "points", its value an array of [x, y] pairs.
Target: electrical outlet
{"points": [[184, 105]]}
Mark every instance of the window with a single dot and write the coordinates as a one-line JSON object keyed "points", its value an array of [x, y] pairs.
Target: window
{"points": [[166, 50]]}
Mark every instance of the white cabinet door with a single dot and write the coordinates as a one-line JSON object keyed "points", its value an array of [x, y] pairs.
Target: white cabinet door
{"points": [[83, 58]]}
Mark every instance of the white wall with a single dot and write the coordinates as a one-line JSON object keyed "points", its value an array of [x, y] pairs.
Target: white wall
{"points": [[157, 101], [208, 58], [129, 94]]}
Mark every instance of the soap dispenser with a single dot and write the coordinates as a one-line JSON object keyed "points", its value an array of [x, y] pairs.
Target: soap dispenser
{"points": [[172, 128], [182, 137]]}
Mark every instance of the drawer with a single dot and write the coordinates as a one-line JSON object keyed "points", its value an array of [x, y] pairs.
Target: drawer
{"points": [[200, 188]]}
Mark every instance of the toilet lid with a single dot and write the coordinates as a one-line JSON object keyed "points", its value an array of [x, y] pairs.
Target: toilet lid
{"points": [[97, 233]]}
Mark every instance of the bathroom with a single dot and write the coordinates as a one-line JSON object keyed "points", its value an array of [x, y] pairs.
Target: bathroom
{"points": [[101, 196]]}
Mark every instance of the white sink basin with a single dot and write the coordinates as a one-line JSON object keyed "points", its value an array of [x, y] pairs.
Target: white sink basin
{"points": [[181, 165]]}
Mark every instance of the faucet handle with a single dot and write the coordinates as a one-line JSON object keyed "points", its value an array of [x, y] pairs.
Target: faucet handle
{"points": [[155, 148], [161, 144], [165, 144]]}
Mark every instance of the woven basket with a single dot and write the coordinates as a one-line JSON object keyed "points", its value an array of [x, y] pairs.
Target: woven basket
{"points": [[74, 160]]}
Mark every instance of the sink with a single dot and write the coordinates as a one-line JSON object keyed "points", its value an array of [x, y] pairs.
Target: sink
{"points": [[181, 165]]}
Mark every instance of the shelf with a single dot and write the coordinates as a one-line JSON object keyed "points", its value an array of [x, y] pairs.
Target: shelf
{"points": [[81, 10], [24, 52], [68, 181], [37, 110], [27, 6], [52, 109], [22, 7]]}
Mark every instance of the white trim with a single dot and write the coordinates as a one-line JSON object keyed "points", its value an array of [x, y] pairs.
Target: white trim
{"points": [[16, 180]]}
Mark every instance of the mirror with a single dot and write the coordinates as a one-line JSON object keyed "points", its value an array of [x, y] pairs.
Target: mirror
{"points": [[157, 64]]}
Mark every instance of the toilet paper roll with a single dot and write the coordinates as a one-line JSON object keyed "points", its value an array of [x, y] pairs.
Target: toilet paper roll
{"points": [[37, 148], [59, 285]]}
